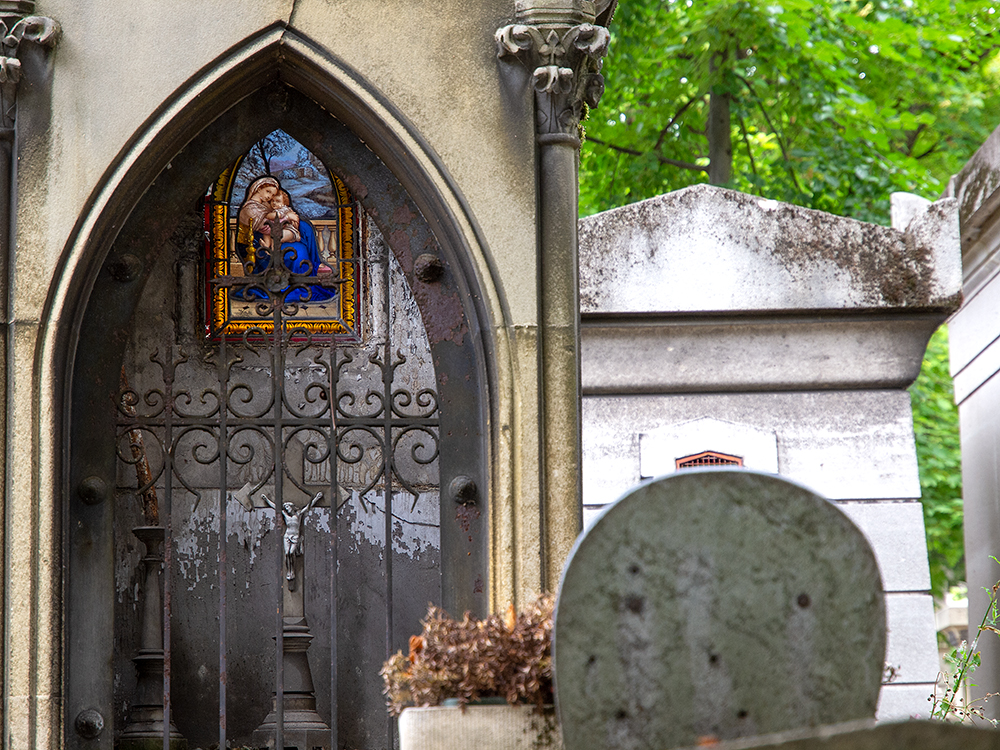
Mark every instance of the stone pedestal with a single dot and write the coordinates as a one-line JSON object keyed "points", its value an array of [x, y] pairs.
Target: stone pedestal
{"points": [[304, 728], [144, 730]]}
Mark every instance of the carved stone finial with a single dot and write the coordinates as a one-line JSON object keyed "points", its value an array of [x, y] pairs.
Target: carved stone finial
{"points": [[565, 12], [38, 29], [566, 71]]}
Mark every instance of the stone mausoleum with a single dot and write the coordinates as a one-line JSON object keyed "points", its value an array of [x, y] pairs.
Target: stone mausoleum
{"points": [[294, 341], [732, 329]]}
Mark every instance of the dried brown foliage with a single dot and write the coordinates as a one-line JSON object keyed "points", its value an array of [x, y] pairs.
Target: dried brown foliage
{"points": [[507, 655]]}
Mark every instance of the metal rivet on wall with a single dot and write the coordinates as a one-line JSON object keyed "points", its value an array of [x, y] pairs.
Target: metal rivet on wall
{"points": [[92, 490], [428, 268], [463, 490], [89, 724]]}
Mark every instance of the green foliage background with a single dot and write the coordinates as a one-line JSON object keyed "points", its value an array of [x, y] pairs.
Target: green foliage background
{"points": [[935, 423], [833, 104]]}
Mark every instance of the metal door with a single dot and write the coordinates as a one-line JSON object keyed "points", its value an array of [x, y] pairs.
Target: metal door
{"points": [[263, 501]]}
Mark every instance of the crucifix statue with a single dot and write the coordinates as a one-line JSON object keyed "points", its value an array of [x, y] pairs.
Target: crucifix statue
{"points": [[302, 727], [293, 532]]}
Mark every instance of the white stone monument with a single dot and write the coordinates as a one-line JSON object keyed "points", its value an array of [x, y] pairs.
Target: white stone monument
{"points": [[715, 322]]}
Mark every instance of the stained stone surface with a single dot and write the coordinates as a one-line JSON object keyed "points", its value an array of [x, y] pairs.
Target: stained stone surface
{"points": [[655, 255], [910, 735], [478, 728], [716, 603]]}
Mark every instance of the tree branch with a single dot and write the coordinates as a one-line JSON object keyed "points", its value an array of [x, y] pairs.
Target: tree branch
{"points": [[660, 158], [912, 137], [931, 150], [682, 164], [681, 111], [746, 140], [777, 135], [263, 156], [614, 175], [613, 147]]}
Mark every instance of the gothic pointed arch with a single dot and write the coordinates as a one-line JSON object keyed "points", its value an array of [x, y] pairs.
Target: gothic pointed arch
{"points": [[277, 80]]}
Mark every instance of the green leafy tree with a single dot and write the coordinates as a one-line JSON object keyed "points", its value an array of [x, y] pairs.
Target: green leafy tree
{"points": [[830, 104], [935, 423]]}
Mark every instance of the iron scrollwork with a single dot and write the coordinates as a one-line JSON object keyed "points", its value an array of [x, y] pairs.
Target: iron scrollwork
{"points": [[245, 402]]}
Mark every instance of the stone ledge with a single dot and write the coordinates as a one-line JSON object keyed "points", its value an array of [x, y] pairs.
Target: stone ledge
{"points": [[685, 354], [707, 249], [977, 187]]}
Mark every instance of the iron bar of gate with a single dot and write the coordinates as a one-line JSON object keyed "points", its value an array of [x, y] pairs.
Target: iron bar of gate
{"points": [[333, 379], [167, 365], [222, 370], [237, 422], [387, 463], [277, 383]]}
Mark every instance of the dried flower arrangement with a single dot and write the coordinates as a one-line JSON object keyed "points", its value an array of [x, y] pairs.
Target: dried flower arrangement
{"points": [[508, 655]]}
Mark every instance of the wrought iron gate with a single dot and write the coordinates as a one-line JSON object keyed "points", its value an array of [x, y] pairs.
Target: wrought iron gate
{"points": [[277, 527], [284, 417]]}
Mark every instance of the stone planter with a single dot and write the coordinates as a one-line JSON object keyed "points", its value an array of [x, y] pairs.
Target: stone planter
{"points": [[501, 727]]}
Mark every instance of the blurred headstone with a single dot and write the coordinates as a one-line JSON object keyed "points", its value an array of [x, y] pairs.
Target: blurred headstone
{"points": [[712, 605]]}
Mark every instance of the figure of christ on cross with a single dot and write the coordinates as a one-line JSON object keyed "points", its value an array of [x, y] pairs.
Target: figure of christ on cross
{"points": [[293, 532]]}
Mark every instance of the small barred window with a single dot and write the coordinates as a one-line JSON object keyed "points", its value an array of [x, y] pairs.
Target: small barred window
{"points": [[708, 458]]}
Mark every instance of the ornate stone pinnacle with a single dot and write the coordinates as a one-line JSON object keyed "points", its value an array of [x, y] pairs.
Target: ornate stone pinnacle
{"points": [[566, 64]]}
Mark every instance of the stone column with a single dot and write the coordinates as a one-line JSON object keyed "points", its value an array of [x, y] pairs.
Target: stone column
{"points": [[558, 41], [17, 25]]}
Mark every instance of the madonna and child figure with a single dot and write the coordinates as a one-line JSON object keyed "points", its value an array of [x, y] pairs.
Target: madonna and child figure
{"points": [[264, 203]]}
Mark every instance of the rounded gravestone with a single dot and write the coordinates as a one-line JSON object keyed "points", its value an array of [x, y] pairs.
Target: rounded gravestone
{"points": [[716, 604]]}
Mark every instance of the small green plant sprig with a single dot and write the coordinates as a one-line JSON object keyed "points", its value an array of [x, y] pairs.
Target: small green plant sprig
{"points": [[962, 662], [507, 656]]}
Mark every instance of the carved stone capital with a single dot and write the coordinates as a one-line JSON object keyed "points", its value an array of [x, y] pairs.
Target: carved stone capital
{"points": [[566, 72], [36, 29]]}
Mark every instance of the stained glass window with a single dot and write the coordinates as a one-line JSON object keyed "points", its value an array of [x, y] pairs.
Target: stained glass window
{"points": [[279, 186]]}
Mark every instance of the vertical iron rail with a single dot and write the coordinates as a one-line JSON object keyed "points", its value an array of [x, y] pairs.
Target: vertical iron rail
{"points": [[333, 381], [168, 549], [223, 379], [387, 451], [333, 550], [277, 385]]}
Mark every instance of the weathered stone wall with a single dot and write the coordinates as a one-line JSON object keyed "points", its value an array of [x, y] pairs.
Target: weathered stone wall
{"points": [[714, 320], [975, 361]]}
